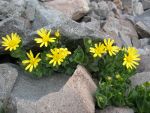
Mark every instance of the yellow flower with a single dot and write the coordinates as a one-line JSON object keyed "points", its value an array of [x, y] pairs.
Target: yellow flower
{"points": [[131, 58], [32, 61], [57, 34], [112, 50], [64, 52], [58, 55], [11, 42], [98, 50], [45, 37], [132, 50]]}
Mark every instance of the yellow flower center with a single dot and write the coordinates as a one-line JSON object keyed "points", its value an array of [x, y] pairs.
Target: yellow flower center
{"points": [[129, 58], [99, 50], [57, 56], [12, 43], [45, 39], [109, 48], [32, 61]]}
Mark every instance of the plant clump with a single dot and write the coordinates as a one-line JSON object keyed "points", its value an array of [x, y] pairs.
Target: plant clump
{"points": [[110, 64]]}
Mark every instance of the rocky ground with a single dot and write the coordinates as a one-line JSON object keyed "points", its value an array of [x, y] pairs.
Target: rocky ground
{"points": [[126, 21]]}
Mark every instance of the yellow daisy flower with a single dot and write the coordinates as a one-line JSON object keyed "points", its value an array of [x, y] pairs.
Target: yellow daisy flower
{"points": [[112, 50], [131, 58], [98, 50], [64, 52], [132, 50], [11, 42], [58, 55], [45, 37], [57, 34], [32, 61]]}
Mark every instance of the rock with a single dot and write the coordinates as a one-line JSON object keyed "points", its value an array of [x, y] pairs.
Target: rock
{"points": [[114, 11], [142, 29], [45, 0], [93, 5], [7, 80], [35, 97], [145, 42], [31, 89], [92, 14], [118, 4], [71, 30], [144, 63], [83, 85], [102, 10], [75, 97], [28, 90], [144, 51], [140, 78], [74, 9], [62, 102], [124, 30], [133, 7], [9, 8], [127, 5], [138, 8], [8, 76], [23, 104], [115, 110], [146, 4], [30, 9], [143, 24], [93, 24]]}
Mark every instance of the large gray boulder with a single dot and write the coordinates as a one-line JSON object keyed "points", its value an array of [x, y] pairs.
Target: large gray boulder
{"points": [[8, 76], [56, 95], [28, 90]]}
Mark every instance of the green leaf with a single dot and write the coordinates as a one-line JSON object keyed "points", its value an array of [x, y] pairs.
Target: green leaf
{"points": [[18, 53], [69, 71], [78, 55], [101, 100]]}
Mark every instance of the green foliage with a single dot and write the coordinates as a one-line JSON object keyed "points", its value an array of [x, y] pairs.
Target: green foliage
{"points": [[139, 98], [116, 92]]}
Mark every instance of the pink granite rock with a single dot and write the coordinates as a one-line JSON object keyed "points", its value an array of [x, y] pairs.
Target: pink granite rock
{"points": [[74, 9], [76, 96]]}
